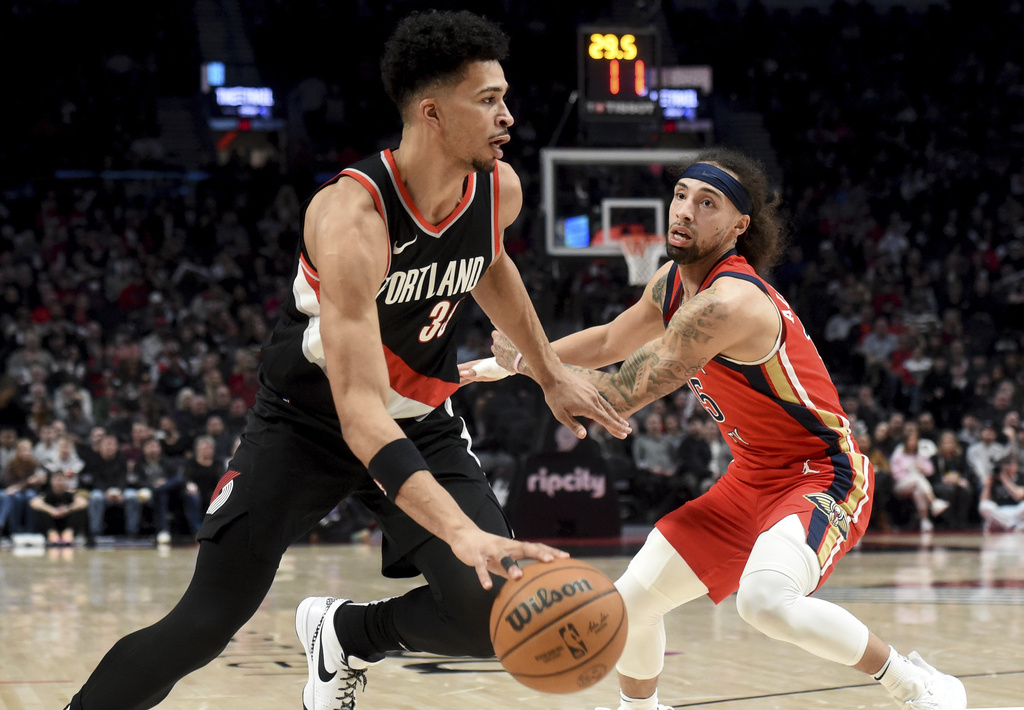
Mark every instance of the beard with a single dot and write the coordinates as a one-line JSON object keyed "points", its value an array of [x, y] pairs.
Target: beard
{"points": [[484, 166], [684, 256]]}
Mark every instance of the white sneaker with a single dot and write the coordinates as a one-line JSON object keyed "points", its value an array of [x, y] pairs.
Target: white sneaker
{"points": [[163, 538], [333, 676], [939, 506], [932, 690], [926, 525]]}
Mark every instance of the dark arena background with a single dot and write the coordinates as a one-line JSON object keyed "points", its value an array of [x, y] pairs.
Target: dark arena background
{"points": [[155, 161]]}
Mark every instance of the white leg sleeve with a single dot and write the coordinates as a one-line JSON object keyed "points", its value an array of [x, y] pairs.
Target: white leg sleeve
{"points": [[656, 581], [781, 571]]}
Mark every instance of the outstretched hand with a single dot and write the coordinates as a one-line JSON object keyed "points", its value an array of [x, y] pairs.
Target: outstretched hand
{"points": [[485, 552], [570, 395], [485, 370]]}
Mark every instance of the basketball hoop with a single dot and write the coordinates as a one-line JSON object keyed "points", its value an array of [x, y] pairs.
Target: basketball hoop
{"points": [[642, 253]]}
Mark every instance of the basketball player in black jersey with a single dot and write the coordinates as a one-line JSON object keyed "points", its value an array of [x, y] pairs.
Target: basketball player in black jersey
{"points": [[389, 249]]}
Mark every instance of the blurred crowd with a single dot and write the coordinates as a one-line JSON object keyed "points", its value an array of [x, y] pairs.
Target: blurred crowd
{"points": [[133, 306]]}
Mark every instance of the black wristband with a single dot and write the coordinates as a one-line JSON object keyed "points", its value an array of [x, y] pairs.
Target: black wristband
{"points": [[392, 465]]}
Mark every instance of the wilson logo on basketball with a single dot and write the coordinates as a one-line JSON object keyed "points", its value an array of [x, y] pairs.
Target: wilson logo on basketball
{"points": [[544, 599]]}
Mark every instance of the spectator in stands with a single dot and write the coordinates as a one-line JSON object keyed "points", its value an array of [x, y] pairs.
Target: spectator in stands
{"points": [[652, 451], [67, 460], [984, 453], [242, 381], [172, 371], [60, 513], [1000, 406], [8, 446], [867, 408], [882, 438], [220, 400], [22, 478], [46, 446], [673, 430], [693, 459], [938, 394], [1002, 498], [876, 349], [192, 421], [71, 393], [235, 421], [840, 337], [106, 479], [40, 413], [953, 481], [911, 470], [1011, 429], [969, 431], [223, 442], [654, 459], [20, 362], [883, 479], [132, 449], [175, 446], [166, 486], [926, 427], [77, 422], [897, 422], [913, 371], [202, 473], [721, 454]]}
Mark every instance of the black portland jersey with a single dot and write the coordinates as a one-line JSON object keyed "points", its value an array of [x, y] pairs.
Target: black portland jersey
{"points": [[430, 270]]}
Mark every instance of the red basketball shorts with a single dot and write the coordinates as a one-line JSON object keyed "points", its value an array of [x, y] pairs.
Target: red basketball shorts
{"points": [[715, 532]]}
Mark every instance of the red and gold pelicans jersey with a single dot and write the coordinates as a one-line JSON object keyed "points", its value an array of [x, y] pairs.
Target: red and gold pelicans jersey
{"points": [[431, 268], [778, 412]]}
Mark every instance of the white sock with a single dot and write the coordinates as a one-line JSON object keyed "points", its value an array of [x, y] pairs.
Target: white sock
{"points": [[894, 672], [629, 703]]}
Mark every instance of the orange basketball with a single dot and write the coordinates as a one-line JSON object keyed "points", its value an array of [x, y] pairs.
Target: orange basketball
{"points": [[560, 628]]}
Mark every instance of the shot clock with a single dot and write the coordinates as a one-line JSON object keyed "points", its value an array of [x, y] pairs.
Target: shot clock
{"points": [[616, 66]]}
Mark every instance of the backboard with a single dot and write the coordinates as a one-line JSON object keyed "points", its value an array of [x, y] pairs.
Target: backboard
{"points": [[592, 196]]}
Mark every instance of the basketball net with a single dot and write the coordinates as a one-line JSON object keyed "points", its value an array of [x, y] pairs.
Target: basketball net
{"points": [[642, 253]]}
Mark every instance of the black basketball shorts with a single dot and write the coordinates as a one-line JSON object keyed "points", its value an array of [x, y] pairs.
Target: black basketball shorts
{"points": [[291, 469]]}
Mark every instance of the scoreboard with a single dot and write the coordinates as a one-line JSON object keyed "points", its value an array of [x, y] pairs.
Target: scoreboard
{"points": [[617, 66]]}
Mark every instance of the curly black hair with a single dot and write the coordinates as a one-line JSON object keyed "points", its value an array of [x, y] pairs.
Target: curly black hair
{"points": [[433, 47], [765, 239]]}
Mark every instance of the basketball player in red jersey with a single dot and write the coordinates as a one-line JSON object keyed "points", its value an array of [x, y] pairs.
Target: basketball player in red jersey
{"points": [[354, 387], [796, 497]]}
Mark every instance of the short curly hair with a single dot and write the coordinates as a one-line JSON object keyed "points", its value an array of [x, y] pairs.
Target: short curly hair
{"points": [[433, 47]]}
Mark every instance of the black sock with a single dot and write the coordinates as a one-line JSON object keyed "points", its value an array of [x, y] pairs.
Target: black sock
{"points": [[367, 630]]}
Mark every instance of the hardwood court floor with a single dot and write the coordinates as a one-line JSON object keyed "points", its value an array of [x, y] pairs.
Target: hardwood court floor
{"points": [[958, 599]]}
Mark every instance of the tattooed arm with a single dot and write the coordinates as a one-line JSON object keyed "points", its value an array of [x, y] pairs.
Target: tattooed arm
{"points": [[611, 342], [733, 318]]}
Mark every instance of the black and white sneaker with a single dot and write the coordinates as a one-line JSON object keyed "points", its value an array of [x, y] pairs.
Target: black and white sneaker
{"points": [[333, 676]]}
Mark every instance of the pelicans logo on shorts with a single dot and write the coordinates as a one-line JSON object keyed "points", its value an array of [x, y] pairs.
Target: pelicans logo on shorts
{"points": [[837, 517]]}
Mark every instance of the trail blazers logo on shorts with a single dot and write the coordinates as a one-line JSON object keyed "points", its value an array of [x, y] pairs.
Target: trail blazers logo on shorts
{"points": [[836, 515], [222, 492]]}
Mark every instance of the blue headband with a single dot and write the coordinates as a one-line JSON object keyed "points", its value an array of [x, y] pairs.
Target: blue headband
{"points": [[718, 178]]}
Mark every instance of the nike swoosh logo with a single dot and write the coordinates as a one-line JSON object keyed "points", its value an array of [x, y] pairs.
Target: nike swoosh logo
{"points": [[325, 677], [399, 249]]}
